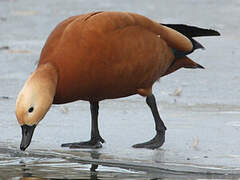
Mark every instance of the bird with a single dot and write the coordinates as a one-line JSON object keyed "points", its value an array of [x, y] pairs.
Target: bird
{"points": [[105, 55]]}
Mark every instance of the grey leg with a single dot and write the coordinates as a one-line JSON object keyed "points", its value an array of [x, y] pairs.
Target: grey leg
{"points": [[159, 139], [96, 139]]}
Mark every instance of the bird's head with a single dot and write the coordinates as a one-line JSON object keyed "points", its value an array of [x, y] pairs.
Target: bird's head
{"points": [[34, 100]]}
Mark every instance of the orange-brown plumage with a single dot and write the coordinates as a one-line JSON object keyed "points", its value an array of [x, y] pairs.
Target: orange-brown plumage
{"points": [[105, 55]]}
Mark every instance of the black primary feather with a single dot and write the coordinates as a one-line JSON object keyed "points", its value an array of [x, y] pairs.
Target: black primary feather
{"points": [[192, 31], [189, 32]]}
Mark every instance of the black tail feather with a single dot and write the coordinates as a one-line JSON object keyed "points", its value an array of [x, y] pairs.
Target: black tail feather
{"points": [[192, 31], [196, 44]]}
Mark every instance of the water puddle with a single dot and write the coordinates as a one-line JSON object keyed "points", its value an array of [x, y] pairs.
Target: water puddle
{"points": [[51, 165]]}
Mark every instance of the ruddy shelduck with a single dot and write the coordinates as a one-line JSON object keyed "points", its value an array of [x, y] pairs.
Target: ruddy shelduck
{"points": [[105, 55]]}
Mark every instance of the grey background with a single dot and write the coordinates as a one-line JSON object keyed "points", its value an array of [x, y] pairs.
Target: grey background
{"points": [[203, 122]]}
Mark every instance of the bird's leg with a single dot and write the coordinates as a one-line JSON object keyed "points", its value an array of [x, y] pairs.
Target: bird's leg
{"points": [[96, 140], [159, 139]]}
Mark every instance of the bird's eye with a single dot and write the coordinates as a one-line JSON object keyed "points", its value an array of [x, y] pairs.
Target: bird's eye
{"points": [[30, 109]]}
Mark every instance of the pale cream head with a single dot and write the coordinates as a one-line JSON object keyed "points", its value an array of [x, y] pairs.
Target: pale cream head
{"points": [[36, 96]]}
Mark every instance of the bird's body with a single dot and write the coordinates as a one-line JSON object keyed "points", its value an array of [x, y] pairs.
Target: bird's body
{"points": [[106, 55]]}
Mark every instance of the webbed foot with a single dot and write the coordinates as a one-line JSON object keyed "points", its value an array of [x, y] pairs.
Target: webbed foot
{"points": [[154, 143], [93, 143]]}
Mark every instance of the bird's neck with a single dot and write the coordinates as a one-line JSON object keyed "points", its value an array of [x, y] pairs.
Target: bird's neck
{"points": [[47, 77]]}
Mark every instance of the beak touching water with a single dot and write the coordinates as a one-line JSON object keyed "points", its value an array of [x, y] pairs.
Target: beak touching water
{"points": [[27, 132]]}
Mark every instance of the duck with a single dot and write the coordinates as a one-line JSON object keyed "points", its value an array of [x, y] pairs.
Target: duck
{"points": [[105, 55]]}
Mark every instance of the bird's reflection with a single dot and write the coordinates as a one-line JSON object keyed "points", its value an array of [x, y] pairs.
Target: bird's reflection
{"points": [[27, 175], [93, 169], [94, 155]]}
